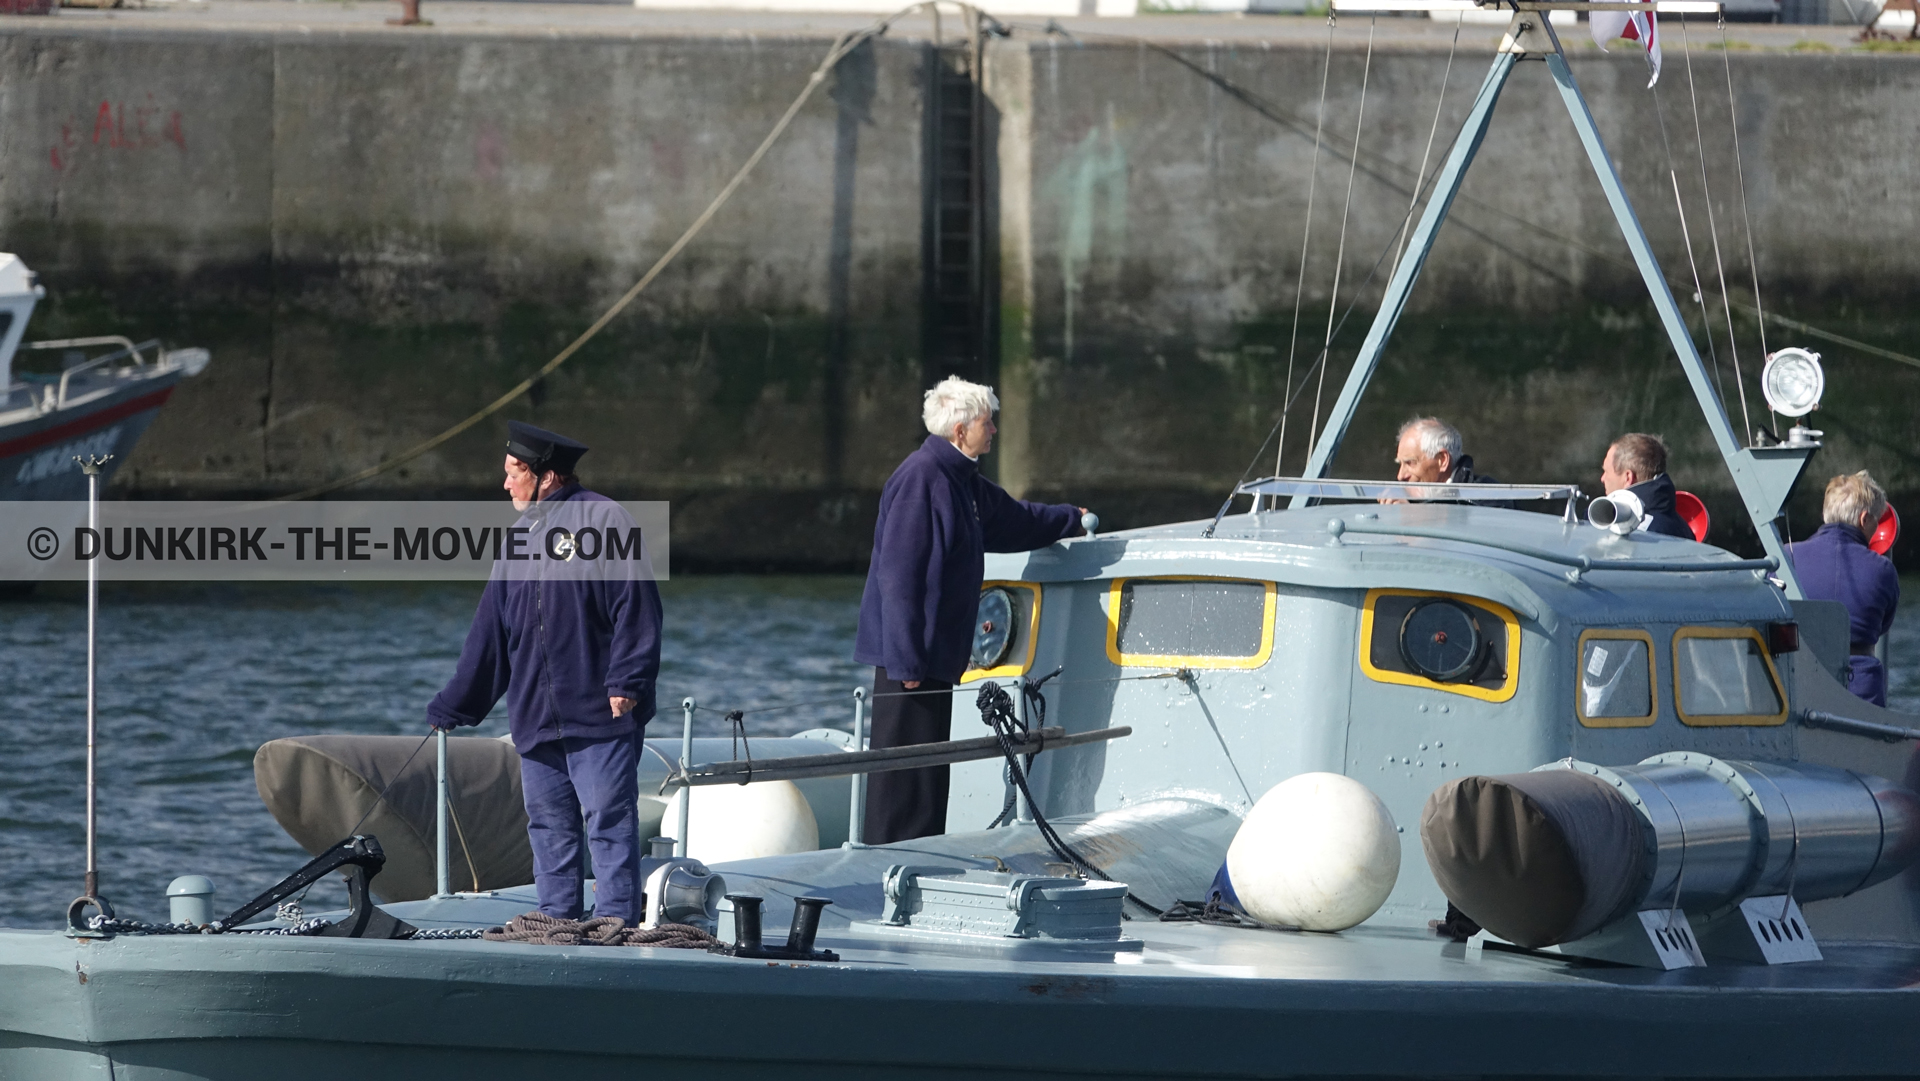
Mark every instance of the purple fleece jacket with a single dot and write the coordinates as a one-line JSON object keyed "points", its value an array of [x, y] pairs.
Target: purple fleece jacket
{"points": [[557, 650], [938, 519], [1835, 564]]}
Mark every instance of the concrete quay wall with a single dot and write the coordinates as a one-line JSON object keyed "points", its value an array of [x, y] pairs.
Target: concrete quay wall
{"points": [[380, 232]]}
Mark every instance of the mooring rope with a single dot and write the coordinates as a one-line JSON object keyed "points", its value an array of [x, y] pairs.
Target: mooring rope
{"points": [[540, 929], [842, 48]]}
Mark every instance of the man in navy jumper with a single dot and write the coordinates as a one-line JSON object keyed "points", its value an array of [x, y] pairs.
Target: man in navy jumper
{"points": [[574, 647], [938, 518], [1637, 463], [1835, 564]]}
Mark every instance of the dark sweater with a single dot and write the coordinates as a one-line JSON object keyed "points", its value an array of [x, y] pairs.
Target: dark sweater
{"points": [[557, 649], [1657, 498], [938, 519], [1835, 564]]}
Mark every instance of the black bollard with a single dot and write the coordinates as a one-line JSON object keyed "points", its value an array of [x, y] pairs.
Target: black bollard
{"points": [[746, 921], [806, 924]]}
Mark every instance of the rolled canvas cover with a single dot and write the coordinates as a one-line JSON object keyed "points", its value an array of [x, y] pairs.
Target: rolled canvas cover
{"points": [[318, 786], [1536, 858]]}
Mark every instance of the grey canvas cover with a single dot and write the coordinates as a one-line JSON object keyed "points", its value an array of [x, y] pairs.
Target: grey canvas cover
{"points": [[1536, 858], [318, 786]]}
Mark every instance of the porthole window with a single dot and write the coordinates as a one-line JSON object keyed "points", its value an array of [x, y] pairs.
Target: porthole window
{"points": [[1615, 686], [1004, 629], [993, 628], [1190, 622], [1724, 676], [1461, 645]]}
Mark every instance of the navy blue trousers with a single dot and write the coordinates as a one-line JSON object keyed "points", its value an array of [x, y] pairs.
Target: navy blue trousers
{"points": [[563, 778]]}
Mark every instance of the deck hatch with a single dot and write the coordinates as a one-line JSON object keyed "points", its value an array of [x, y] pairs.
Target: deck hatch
{"points": [[1492, 677], [1725, 676], [1616, 685], [1190, 622]]}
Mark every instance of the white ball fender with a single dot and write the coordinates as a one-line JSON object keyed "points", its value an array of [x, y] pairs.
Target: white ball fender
{"points": [[743, 822], [1318, 852]]}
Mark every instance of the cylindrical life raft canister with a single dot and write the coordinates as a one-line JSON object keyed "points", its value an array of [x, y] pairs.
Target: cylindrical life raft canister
{"points": [[1553, 855]]}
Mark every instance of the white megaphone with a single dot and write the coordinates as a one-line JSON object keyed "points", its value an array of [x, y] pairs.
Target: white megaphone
{"points": [[1621, 513]]}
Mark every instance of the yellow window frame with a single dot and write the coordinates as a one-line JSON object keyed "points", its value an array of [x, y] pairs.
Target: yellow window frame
{"points": [[1408, 679], [1615, 634], [1725, 720], [1020, 667], [1154, 660]]}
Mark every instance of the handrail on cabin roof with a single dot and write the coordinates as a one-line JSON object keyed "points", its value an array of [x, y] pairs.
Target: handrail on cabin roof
{"points": [[1579, 564]]}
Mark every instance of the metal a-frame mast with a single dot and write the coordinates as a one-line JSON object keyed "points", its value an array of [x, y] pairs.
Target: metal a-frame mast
{"points": [[1763, 475]]}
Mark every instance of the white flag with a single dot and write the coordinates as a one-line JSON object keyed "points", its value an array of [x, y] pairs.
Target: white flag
{"points": [[1640, 26]]}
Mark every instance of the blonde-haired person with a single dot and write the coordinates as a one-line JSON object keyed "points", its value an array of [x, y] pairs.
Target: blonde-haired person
{"points": [[1835, 564], [938, 519]]}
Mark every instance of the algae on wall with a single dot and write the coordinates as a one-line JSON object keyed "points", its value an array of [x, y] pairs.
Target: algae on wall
{"points": [[376, 237]]}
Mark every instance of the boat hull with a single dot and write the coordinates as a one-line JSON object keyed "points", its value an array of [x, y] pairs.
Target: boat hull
{"points": [[36, 456], [1244, 1004]]}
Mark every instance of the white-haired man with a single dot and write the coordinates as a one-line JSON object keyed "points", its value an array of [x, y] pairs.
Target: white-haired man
{"points": [[1835, 564], [1429, 452], [938, 518]]}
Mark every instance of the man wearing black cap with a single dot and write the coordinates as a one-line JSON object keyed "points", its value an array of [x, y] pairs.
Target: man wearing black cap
{"points": [[574, 647]]}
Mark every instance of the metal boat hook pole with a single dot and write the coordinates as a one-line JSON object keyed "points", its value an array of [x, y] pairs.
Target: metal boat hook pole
{"points": [[857, 804], [440, 820], [90, 465], [686, 760]]}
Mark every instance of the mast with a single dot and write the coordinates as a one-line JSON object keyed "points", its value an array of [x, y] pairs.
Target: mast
{"points": [[1763, 476]]}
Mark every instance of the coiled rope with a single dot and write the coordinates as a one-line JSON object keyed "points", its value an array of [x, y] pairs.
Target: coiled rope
{"points": [[540, 929]]}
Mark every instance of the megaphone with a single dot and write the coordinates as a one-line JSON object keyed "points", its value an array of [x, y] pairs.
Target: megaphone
{"points": [[1620, 513]]}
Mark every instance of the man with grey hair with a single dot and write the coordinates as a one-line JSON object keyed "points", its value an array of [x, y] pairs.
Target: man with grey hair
{"points": [[1429, 452], [938, 519], [1835, 564]]}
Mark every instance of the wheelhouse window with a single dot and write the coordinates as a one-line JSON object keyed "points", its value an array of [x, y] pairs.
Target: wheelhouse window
{"points": [[1440, 641], [1725, 676], [1005, 628], [1190, 622], [1616, 682]]}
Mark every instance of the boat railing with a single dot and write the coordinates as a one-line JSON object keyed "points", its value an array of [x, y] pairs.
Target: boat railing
{"points": [[127, 348], [1577, 564], [1376, 490]]}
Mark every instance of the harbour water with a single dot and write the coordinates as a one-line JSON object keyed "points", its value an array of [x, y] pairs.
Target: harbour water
{"points": [[194, 678]]}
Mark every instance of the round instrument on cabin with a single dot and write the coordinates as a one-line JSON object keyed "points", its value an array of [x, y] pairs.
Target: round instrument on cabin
{"points": [[993, 628], [1441, 640]]}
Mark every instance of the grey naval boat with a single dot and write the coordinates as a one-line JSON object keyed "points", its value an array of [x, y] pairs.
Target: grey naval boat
{"points": [[93, 407], [1339, 788]]}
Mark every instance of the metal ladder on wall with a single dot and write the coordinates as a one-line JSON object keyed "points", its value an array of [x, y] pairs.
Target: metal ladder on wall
{"points": [[956, 287]]}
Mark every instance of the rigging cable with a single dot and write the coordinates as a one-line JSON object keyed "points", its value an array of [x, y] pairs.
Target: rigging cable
{"points": [[1371, 274], [1740, 173], [1686, 237], [1713, 231], [1427, 154], [1340, 255], [1455, 222], [1306, 234]]}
